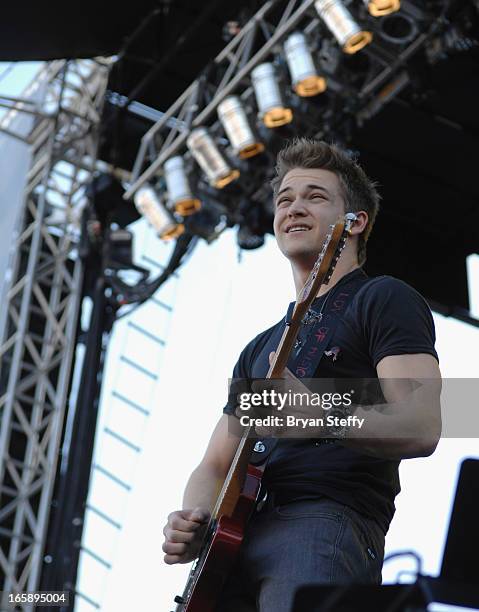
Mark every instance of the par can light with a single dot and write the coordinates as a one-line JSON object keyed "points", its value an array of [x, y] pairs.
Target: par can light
{"points": [[150, 206], [306, 81], [379, 8], [209, 158], [179, 192], [268, 97], [341, 24], [236, 125]]}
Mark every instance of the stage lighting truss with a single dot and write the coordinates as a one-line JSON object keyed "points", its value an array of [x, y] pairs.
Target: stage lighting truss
{"points": [[317, 68]]}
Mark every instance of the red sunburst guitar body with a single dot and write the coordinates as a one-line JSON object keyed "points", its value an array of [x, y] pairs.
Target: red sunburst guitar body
{"points": [[220, 551]]}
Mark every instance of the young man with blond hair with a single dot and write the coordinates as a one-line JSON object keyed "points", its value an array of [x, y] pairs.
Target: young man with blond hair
{"points": [[330, 497]]}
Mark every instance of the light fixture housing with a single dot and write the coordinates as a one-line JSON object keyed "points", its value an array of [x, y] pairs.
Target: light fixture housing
{"points": [[268, 97], [237, 127], [155, 212], [203, 148], [179, 192], [304, 76], [342, 25], [379, 8]]}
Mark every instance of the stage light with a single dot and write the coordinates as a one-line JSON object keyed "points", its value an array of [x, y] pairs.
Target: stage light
{"points": [[379, 8], [179, 192], [210, 159], [268, 97], [341, 24], [305, 79], [208, 223], [236, 125], [154, 211], [248, 240]]}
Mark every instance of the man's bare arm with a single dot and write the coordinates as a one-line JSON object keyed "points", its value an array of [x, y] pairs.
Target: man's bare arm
{"points": [[207, 479], [185, 528], [409, 424]]}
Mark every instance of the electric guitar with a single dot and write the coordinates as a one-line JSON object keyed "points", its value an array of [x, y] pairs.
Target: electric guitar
{"points": [[240, 490]]}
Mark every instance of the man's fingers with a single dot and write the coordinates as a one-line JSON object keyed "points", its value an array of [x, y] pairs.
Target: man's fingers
{"points": [[172, 559], [171, 548], [263, 432], [269, 384], [183, 533], [179, 521], [179, 537], [179, 524], [199, 515], [270, 432]]}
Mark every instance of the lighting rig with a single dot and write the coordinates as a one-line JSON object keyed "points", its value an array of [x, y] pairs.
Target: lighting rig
{"points": [[318, 68], [312, 67]]}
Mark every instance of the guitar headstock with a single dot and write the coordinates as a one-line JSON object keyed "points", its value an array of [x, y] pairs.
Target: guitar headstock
{"points": [[328, 257]]}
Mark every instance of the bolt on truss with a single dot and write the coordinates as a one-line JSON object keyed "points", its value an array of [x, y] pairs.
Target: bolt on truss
{"points": [[37, 343], [356, 94]]}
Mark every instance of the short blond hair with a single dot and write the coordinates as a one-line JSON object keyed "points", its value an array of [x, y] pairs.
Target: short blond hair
{"points": [[359, 191]]}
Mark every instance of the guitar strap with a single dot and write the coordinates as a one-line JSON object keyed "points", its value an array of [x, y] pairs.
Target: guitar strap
{"points": [[304, 361]]}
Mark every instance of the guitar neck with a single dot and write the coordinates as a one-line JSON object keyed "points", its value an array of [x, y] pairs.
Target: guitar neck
{"points": [[234, 481]]}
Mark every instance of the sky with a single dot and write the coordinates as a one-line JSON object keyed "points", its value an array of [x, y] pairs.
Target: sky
{"points": [[144, 453], [15, 76]]}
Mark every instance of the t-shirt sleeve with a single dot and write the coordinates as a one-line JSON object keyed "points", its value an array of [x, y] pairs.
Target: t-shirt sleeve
{"points": [[241, 376], [243, 370], [237, 382], [395, 319]]}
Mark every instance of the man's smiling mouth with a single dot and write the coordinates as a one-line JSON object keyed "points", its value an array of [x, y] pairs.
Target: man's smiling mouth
{"points": [[297, 228]]}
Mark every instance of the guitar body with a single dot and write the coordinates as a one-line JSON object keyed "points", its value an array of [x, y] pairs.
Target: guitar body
{"points": [[220, 551]]}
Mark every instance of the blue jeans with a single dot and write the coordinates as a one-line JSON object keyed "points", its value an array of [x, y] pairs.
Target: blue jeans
{"points": [[300, 543]]}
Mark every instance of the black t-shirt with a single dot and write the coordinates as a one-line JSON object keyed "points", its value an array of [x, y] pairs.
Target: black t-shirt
{"points": [[385, 317]]}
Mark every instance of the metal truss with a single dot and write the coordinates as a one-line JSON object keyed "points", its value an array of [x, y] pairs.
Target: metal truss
{"points": [[357, 91], [38, 341]]}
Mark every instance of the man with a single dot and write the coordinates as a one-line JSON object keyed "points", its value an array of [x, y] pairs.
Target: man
{"points": [[330, 496]]}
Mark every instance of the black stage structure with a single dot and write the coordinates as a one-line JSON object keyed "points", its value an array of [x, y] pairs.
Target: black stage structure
{"points": [[417, 136]]}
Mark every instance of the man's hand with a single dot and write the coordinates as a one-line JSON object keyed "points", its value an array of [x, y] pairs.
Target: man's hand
{"points": [[184, 533], [288, 384]]}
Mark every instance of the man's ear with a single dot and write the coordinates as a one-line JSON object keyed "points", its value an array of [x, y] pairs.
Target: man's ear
{"points": [[360, 224]]}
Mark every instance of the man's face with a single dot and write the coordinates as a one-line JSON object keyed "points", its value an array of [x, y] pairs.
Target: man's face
{"points": [[308, 202]]}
